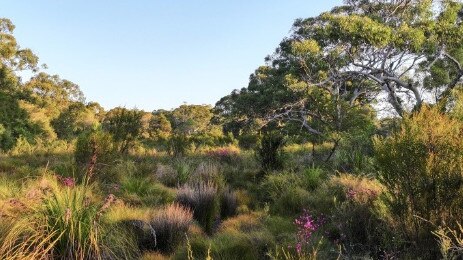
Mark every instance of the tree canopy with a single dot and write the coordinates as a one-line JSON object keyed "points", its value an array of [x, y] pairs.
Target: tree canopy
{"points": [[334, 68]]}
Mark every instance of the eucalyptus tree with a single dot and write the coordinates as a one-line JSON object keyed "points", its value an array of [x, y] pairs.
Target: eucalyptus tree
{"points": [[14, 120], [327, 75]]}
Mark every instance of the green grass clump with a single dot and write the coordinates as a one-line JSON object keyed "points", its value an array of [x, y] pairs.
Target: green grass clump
{"points": [[67, 224], [144, 191], [313, 177], [291, 202], [274, 185]]}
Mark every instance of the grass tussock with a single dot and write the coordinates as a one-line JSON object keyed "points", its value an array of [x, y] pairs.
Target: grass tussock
{"points": [[170, 225], [66, 223], [203, 200]]}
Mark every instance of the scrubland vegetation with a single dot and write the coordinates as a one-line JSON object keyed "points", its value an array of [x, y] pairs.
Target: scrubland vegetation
{"points": [[348, 144]]}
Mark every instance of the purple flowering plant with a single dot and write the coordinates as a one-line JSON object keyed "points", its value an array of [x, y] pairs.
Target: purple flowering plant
{"points": [[306, 225]]}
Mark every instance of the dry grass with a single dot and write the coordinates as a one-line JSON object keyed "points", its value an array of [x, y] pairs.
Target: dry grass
{"points": [[171, 224]]}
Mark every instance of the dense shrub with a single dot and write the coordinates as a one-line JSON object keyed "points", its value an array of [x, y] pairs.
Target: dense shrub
{"points": [[203, 200], [242, 174], [421, 167], [355, 150], [125, 127], [270, 153], [359, 219], [292, 201], [248, 141], [171, 225], [178, 145], [92, 143]]}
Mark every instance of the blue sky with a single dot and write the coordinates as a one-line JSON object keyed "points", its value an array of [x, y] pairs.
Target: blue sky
{"points": [[155, 54]]}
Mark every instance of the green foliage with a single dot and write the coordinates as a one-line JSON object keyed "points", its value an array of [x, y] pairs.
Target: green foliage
{"points": [[40, 147], [125, 126], [15, 122], [360, 220], [95, 142], [52, 92], [355, 150], [178, 145], [269, 152], [248, 141], [73, 121], [66, 224], [160, 128], [189, 120], [242, 236], [291, 202], [421, 169], [11, 54], [143, 191], [313, 177], [274, 185], [6, 139]]}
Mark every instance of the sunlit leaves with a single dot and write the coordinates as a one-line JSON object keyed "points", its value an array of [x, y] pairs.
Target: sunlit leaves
{"points": [[305, 47]]}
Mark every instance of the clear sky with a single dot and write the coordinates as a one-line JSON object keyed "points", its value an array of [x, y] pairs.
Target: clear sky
{"points": [[153, 54]]}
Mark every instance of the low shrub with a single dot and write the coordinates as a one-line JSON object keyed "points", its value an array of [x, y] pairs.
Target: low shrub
{"points": [[357, 218], [171, 225], [97, 144], [176, 174], [420, 166], [243, 174], [292, 201], [244, 223], [274, 185], [228, 246], [203, 200], [282, 229], [312, 177]]}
